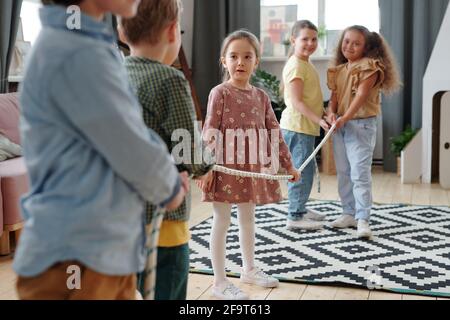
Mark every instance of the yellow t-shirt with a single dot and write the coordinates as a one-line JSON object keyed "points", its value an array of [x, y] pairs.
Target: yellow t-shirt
{"points": [[291, 119], [345, 80], [173, 233]]}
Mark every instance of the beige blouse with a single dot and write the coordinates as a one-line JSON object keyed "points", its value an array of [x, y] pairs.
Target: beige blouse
{"points": [[345, 80]]}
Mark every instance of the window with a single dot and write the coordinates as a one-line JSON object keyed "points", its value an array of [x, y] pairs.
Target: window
{"points": [[31, 24], [331, 16], [28, 31]]}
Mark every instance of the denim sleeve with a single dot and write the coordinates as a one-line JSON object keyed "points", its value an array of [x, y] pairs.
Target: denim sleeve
{"points": [[94, 96]]}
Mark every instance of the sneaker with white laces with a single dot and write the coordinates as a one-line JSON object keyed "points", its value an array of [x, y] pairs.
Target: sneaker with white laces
{"points": [[304, 224], [344, 221], [259, 278], [314, 215], [228, 291], [363, 230]]}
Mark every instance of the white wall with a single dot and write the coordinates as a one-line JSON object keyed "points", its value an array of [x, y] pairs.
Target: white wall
{"points": [[436, 79]]}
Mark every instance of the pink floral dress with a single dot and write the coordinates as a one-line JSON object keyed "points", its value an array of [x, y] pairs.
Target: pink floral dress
{"points": [[231, 109]]}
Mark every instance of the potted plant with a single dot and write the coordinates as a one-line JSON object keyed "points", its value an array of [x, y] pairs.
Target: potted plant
{"points": [[322, 43], [399, 142], [287, 45], [271, 85]]}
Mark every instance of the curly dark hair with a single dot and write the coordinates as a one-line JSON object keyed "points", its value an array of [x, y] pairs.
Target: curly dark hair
{"points": [[376, 47]]}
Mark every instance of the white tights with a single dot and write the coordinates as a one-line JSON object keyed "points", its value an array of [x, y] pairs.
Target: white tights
{"points": [[221, 223]]}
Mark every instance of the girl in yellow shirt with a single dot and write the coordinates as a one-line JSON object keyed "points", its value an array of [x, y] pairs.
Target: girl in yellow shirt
{"points": [[301, 121]]}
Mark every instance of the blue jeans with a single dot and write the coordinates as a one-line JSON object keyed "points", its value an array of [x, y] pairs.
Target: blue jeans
{"points": [[353, 152], [301, 146]]}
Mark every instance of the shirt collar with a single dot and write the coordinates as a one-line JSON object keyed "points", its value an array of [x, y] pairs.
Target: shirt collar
{"points": [[55, 16]]}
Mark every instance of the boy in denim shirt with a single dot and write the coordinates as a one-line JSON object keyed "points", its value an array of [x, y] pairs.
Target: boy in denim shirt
{"points": [[84, 231], [154, 38]]}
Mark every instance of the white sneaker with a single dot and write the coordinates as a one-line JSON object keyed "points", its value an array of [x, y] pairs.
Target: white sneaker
{"points": [[259, 277], [312, 214], [344, 221], [138, 296], [228, 291], [363, 229], [304, 224]]}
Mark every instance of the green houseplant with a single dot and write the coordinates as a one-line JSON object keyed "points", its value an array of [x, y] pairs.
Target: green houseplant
{"points": [[287, 45], [271, 85], [398, 143], [322, 36], [322, 32]]}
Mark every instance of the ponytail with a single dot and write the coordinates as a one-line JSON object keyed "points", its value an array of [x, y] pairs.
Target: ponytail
{"points": [[376, 48], [374, 45]]}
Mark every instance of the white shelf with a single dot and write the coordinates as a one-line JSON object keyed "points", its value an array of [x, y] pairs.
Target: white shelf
{"points": [[283, 59], [17, 78], [322, 58]]}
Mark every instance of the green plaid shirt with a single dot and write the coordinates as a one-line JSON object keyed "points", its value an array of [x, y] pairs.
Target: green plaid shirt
{"points": [[167, 105]]}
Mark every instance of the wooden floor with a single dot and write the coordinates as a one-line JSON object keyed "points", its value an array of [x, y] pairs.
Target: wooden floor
{"points": [[386, 189]]}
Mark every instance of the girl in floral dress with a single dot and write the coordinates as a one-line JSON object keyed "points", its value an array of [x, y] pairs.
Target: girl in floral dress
{"points": [[242, 129]]}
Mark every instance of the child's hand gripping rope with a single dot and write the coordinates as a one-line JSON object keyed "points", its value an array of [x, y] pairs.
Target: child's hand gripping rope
{"points": [[291, 176]]}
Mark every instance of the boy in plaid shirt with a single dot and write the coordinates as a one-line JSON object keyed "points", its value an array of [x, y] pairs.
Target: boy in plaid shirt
{"points": [[154, 38]]}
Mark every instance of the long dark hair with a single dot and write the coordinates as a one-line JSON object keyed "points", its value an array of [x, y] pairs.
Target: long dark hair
{"points": [[376, 47]]}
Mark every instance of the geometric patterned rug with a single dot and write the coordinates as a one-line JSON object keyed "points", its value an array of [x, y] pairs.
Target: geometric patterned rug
{"points": [[409, 251]]}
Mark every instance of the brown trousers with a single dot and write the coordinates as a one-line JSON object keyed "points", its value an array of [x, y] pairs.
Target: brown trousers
{"points": [[56, 283]]}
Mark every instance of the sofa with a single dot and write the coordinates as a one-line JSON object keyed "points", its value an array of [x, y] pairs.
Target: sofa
{"points": [[13, 176]]}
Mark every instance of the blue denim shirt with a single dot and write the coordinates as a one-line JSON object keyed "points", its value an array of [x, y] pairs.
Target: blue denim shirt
{"points": [[92, 162]]}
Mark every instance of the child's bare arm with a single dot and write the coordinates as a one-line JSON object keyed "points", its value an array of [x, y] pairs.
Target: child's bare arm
{"points": [[205, 182], [332, 108], [178, 199]]}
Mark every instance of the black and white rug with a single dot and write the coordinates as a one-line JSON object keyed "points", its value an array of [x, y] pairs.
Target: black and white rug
{"points": [[409, 252]]}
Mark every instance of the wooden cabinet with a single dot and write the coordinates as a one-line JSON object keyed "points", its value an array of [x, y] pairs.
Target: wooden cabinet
{"points": [[327, 158], [13, 86]]}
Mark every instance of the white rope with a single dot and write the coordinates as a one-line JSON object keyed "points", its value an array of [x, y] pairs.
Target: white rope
{"points": [[246, 174], [153, 235]]}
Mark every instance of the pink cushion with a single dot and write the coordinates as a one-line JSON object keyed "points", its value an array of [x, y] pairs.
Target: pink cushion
{"points": [[9, 116], [1, 211], [13, 184], [13, 167]]}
